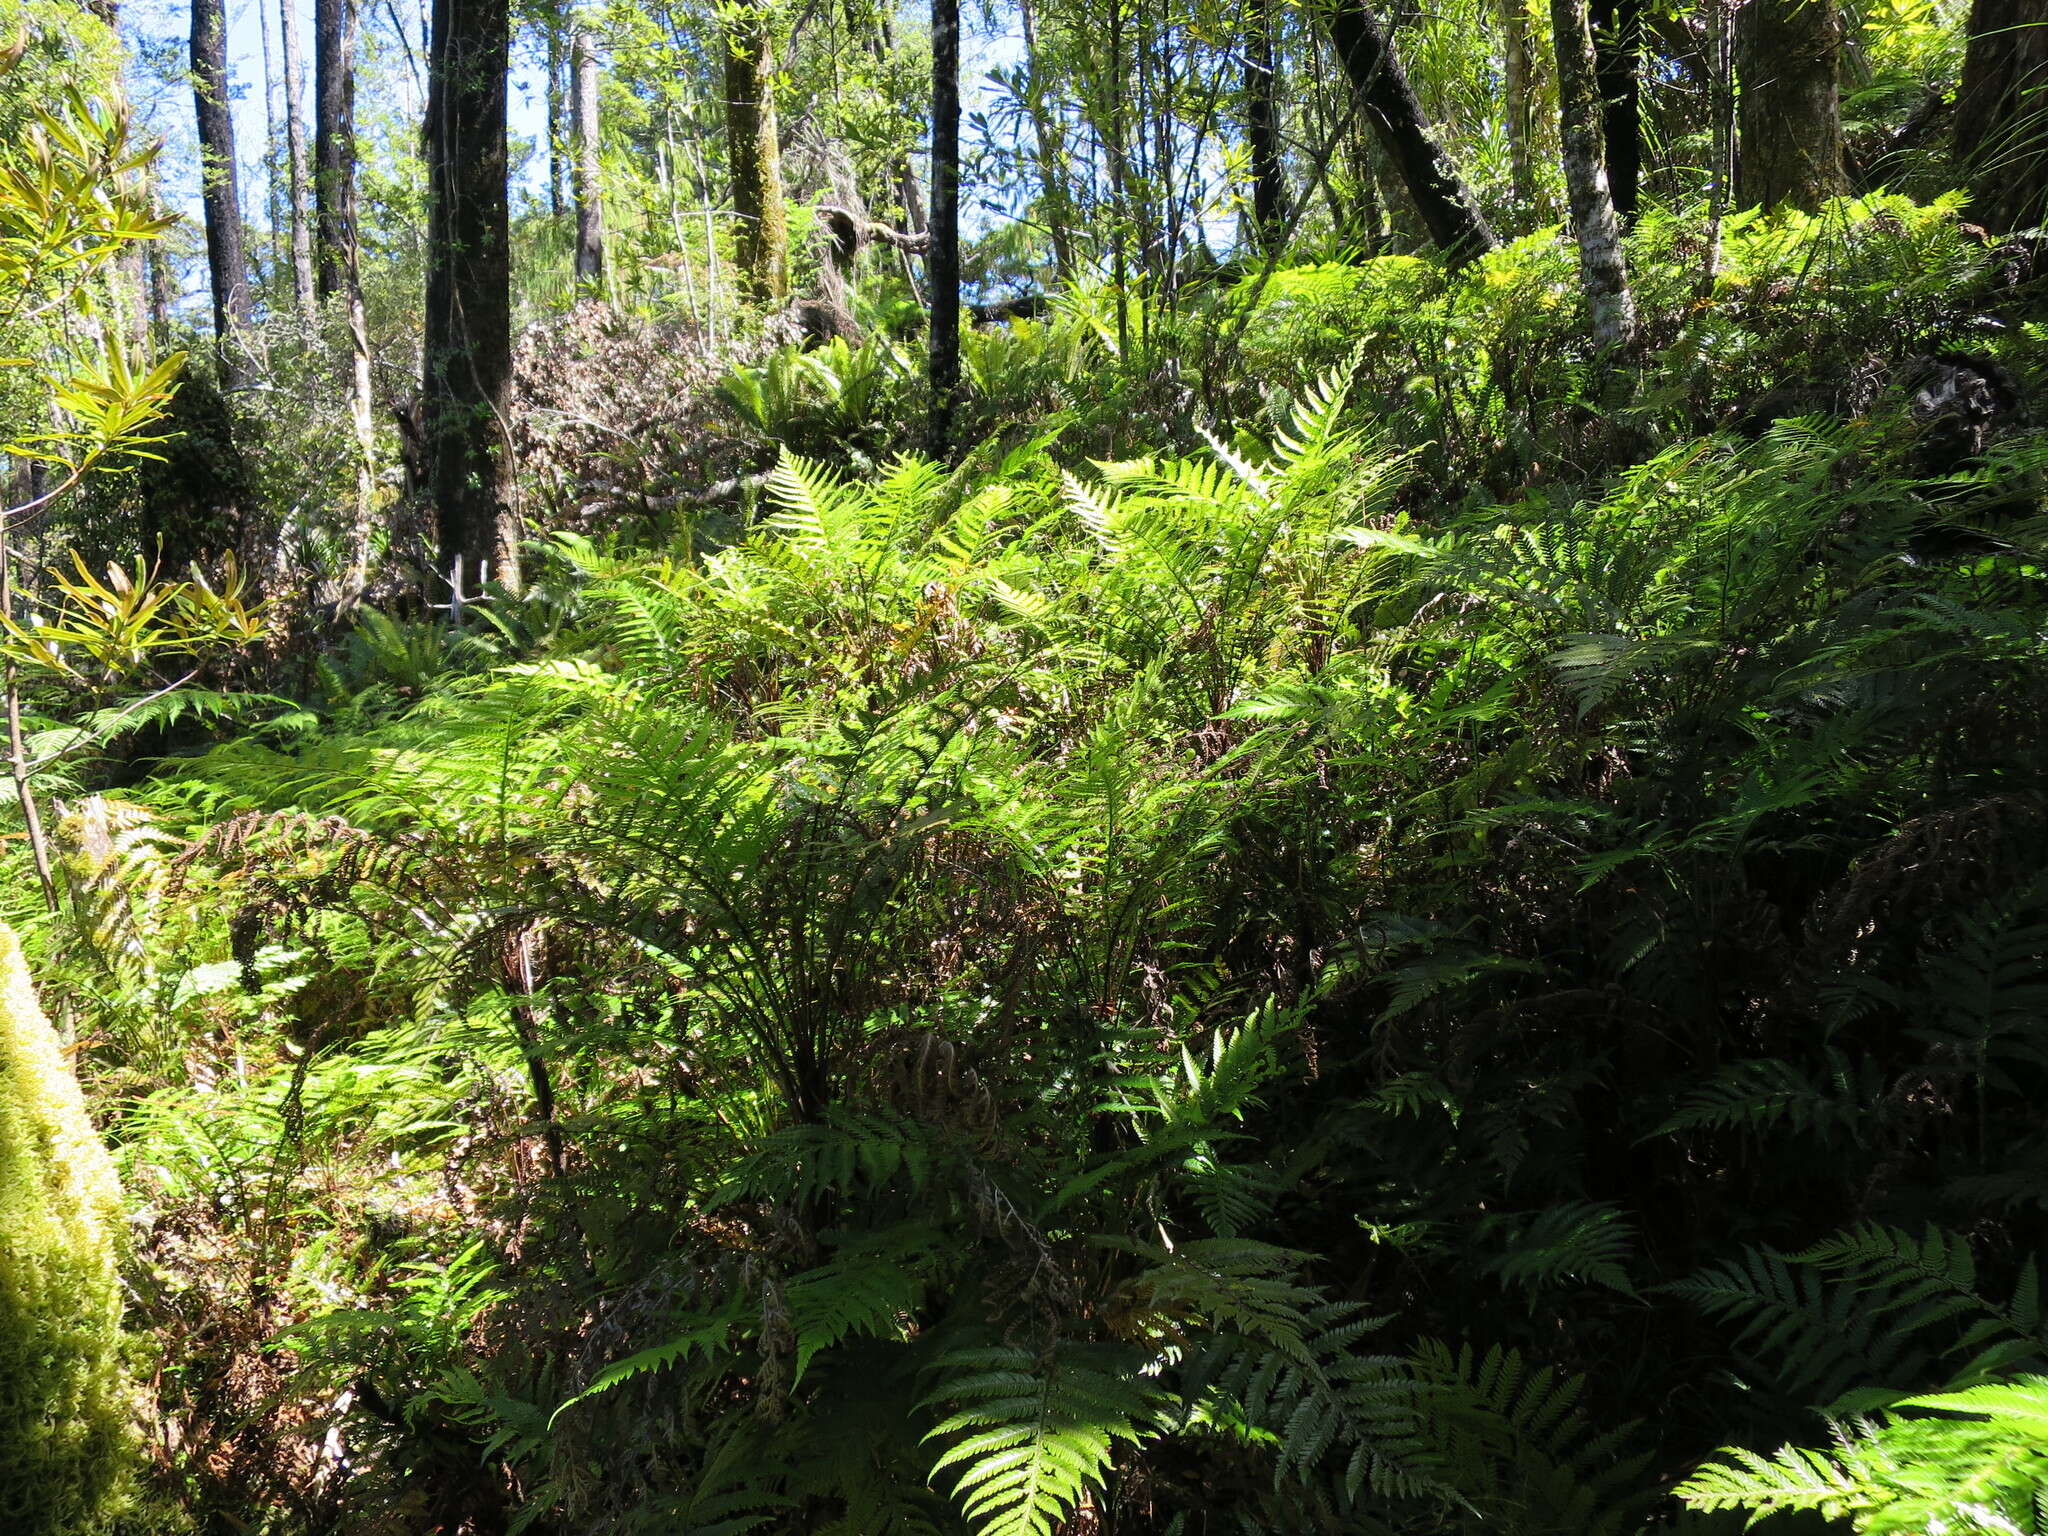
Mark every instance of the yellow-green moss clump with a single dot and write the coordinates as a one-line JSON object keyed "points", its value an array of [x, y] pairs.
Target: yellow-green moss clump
{"points": [[65, 1402]]}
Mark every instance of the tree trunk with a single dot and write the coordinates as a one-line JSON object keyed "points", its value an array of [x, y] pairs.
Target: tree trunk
{"points": [[1055, 195], [943, 262], [1440, 195], [468, 353], [334, 141], [339, 271], [557, 64], [1594, 224], [163, 294], [754, 152], [295, 141], [2002, 114], [1262, 129], [225, 262], [1518, 87], [589, 192], [1618, 52], [1790, 129], [273, 176]]}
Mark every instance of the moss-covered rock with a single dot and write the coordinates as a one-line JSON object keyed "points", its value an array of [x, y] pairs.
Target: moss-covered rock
{"points": [[66, 1406]]}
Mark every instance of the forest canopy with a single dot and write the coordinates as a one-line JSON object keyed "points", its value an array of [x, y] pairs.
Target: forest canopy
{"points": [[1071, 768]]}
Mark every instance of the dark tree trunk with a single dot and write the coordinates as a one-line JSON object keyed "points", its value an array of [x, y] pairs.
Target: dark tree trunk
{"points": [[754, 152], [469, 293], [2002, 113], [1594, 225], [334, 141], [589, 193], [1262, 128], [225, 262], [1790, 131], [1440, 195], [943, 263], [1618, 51]]}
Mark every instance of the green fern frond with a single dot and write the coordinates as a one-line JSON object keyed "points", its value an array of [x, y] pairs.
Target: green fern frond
{"points": [[1031, 1436], [1579, 1240]]}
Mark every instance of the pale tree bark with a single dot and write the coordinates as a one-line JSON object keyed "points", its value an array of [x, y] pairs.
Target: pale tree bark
{"points": [[1518, 90], [589, 191], [297, 171], [1602, 273], [1790, 124], [226, 263], [2002, 114], [943, 263], [468, 352], [339, 268], [754, 153], [1445, 203], [273, 178]]}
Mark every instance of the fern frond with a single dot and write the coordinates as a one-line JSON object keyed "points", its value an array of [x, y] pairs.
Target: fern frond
{"points": [[1030, 1435]]}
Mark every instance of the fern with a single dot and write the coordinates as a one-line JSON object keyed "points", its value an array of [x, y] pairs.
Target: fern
{"points": [[1031, 1437], [1978, 1463], [1579, 1240]]}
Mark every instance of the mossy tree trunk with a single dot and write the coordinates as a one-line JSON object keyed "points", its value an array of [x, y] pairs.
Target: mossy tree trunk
{"points": [[1595, 226], [2002, 114], [67, 1409], [1789, 138], [754, 152]]}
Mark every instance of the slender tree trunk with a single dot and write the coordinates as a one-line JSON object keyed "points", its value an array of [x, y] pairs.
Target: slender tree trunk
{"points": [[1790, 148], [1262, 128], [131, 288], [226, 264], [558, 91], [1440, 195], [297, 169], [754, 152], [468, 353], [362, 423], [339, 268], [1119, 171], [943, 262], [334, 141], [1518, 72], [1618, 52], [1720, 53], [17, 747], [163, 295], [1601, 271], [273, 169], [2002, 114], [589, 192], [1055, 196]]}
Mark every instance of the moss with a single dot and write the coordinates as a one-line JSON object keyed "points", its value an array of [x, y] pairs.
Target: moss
{"points": [[66, 1406]]}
